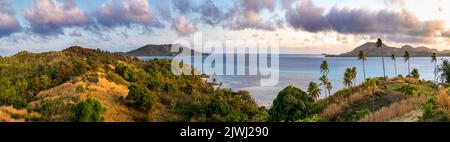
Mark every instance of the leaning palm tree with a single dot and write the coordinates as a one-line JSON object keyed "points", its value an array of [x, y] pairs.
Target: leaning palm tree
{"points": [[329, 87], [324, 67], [314, 90], [379, 44], [363, 58], [395, 63], [353, 75], [406, 59], [324, 79], [324, 82], [434, 59], [348, 78]]}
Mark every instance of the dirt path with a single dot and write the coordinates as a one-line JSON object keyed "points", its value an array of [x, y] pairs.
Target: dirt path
{"points": [[412, 116]]}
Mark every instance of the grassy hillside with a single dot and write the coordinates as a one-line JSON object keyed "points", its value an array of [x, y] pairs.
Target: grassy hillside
{"points": [[79, 84]]}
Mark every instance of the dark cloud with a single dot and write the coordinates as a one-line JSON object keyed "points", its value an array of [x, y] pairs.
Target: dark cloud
{"points": [[183, 6], [49, 17], [311, 18], [8, 21], [126, 13], [211, 14]]}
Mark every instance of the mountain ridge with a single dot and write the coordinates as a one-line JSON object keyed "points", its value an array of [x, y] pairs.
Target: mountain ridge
{"points": [[371, 51]]}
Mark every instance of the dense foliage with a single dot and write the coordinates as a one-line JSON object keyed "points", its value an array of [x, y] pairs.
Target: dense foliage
{"points": [[292, 104], [89, 111]]}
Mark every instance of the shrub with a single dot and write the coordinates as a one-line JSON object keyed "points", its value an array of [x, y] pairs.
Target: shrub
{"points": [[116, 78], [80, 89], [89, 111], [415, 73], [141, 97], [93, 79], [291, 104], [359, 114]]}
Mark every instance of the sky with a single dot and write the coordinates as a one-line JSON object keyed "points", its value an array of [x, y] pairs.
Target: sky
{"points": [[301, 26]]}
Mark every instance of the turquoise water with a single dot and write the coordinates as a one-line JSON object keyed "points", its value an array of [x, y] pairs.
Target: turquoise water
{"points": [[299, 70]]}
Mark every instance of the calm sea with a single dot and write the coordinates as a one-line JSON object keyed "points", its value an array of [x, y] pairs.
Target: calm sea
{"points": [[299, 70]]}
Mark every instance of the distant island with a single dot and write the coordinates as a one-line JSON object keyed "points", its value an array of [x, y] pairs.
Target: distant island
{"points": [[155, 50], [371, 51]]}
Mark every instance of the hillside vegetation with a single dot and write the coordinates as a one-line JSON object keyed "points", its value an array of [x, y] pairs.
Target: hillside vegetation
{"points": [[79, 84]]}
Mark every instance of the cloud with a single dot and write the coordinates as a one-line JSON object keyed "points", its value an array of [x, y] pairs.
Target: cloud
{"points": [[183, 6], [9, 23], [183, 27], [311, 18], [76, 33], [211, 14], [126, 13], [247, 15], [51, 16]]}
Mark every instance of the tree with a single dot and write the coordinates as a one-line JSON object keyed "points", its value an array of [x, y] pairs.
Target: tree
{"points": [[379, 44], [434, 60], [291, 104], [371, 84], [353, 74], [347, 78], [363, 58], [445, 69], [89, 111], [314, 90], [141, 97], [406, 59], [325, 82], [395, 63], [324, 67], [415, 73]]}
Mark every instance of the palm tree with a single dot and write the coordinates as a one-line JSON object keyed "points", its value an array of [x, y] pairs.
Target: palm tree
{"points": [[379, 44], [434, 59], [324, 67], [363, 58], [314, 90], [395, 62], [325, 82], [371, 84], [353, 75], [406, 59], [329, 87], [348, 78], [324, 79]]}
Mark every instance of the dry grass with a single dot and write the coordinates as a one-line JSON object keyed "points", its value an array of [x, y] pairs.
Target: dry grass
{"points": [[340, 103], [395, 110], [442, 99], [332, 110], [108, 93], [10, 114]]}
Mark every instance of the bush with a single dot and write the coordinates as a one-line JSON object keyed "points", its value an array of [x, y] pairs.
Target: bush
{"points": [[89, 111], [291, 104], [80, 89], [415, 73], [141, 97], [116, 78], [359, 114]]}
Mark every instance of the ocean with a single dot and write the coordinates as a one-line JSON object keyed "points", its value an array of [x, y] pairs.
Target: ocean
{"points": [[299, 70]]}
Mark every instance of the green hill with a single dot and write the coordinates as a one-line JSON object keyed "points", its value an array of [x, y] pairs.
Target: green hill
{"points": [[79, 84], [156, 50]]}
